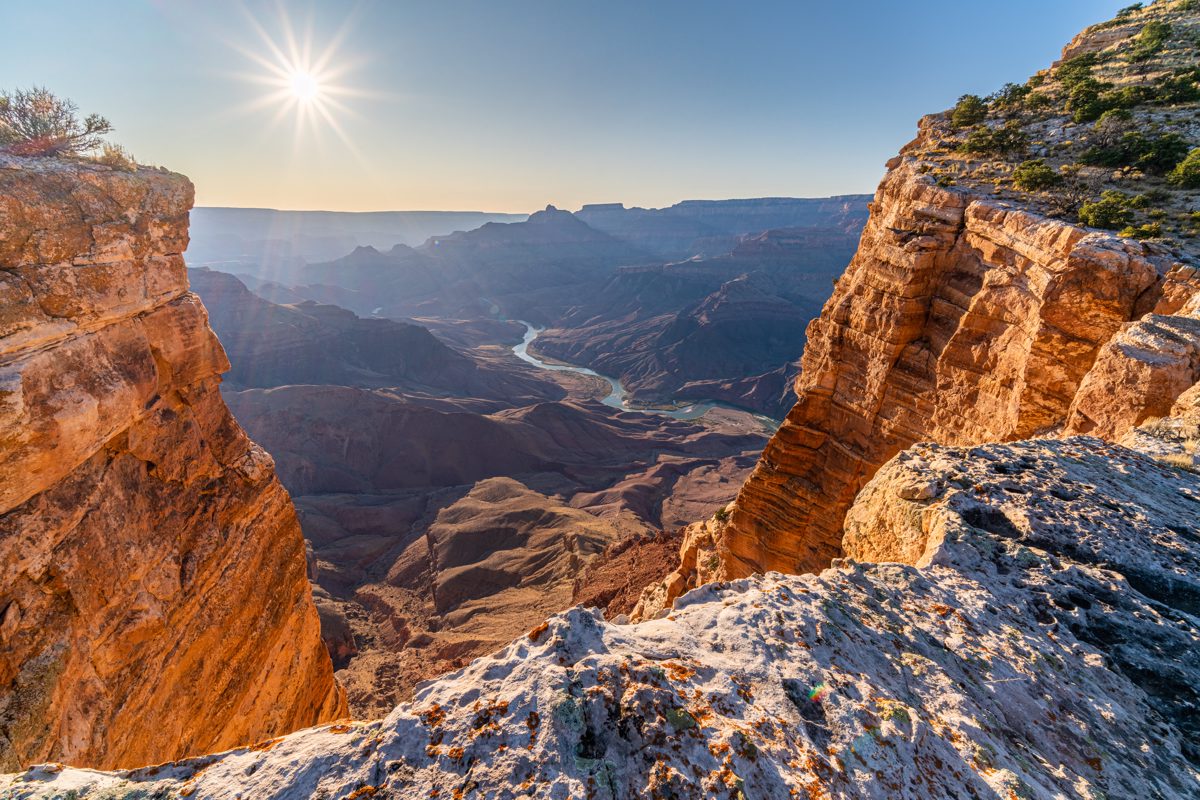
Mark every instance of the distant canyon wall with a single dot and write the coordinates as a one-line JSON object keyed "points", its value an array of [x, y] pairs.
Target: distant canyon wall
{"points": [[153, 599]]}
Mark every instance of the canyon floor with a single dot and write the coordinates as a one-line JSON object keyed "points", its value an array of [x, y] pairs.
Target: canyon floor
{"points": [[452, 497]]}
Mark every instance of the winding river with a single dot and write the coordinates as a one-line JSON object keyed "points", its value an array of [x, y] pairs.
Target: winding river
{"points": [[617, 394]]}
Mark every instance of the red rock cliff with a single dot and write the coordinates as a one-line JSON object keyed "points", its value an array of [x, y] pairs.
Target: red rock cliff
{"points": [[153, 600], [968, 315]]}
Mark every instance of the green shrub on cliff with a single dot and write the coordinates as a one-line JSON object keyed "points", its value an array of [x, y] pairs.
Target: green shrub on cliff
{"points": [[1151, 230], [1151, 40], [1155, 154], [1010, 98], [1113, 211], [970, 110], [1076, 70], [1035, 176], [1006, 140], [1187, 173], [33, 122]]}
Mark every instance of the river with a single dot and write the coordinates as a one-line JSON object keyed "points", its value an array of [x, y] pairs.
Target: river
{"points": [[617, 394]]}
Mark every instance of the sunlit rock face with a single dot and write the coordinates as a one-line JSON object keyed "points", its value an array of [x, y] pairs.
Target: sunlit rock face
{"points": [[976, 310], [958, 321], [1032, 634], [153, 601]]}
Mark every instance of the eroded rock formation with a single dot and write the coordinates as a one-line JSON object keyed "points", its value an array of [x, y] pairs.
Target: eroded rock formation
{"points": [[153, 600], [968, 315]]}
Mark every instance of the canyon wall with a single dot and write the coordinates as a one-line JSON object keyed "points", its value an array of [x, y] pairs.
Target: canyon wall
{"points": [[960, 320], [153, 599]]}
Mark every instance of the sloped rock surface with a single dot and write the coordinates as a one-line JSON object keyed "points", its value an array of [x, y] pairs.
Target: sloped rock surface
{"points": [[1033, 636], [138, 524]]}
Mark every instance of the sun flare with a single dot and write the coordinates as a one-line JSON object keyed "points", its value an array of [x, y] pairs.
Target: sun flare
{"points": [[305, 87], [303, 80]]}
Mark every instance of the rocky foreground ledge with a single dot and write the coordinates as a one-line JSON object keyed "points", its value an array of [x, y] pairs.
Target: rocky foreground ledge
{"points": [[1032, 636]]}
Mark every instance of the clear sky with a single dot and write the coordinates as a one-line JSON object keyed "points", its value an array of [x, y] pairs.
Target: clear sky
{"points": [[508, 106]]}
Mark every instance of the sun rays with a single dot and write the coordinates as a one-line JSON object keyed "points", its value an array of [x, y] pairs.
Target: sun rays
{"points": [[303, 81]]}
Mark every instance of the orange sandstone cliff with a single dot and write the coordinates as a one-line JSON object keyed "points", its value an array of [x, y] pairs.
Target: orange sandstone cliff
{"points": [[153, 600], [974, 312]]}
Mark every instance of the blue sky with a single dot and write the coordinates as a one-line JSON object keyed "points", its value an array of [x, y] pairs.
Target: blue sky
{"points": [[508, 106]]}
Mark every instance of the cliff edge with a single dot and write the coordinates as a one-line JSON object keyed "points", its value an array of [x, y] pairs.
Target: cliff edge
{"points": [[153, 600]]}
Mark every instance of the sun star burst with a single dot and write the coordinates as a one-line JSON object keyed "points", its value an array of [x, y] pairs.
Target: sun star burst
{"points": [[302, 81]]}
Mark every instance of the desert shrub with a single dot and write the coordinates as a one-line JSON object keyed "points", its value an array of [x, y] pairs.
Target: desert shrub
{"points": [[1111, 211], [117, 157], [1180, 87], [1127, 97], [1156, 155], [1009, 98], [34, 122], [1035, 176], [1008, 139], [1151, 230], [721, 514], [1112, 125], [1150, 41], [969, 110], [1086, 100], [1129, 10], [1037, 101], [1076, 70], [1187, 172]]}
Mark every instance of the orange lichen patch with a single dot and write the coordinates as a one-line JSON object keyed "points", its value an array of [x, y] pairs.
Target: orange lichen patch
{"points": [[267, 744], [433, 750], [743, 688], [340, 727], [941, 609], [433, 715], [363, 791], [533, 721], [187, 790], [456, 753], [537, 632], [677, 671]]}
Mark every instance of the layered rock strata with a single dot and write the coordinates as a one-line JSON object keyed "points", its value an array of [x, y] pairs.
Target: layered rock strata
{"points": [[153, 600], [1032, 636], [961, 321]]}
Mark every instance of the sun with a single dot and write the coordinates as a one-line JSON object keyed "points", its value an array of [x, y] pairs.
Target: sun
{"points": [[305, 86], [303, 81]]}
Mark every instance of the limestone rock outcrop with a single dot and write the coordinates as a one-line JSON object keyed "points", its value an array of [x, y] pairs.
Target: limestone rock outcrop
{"points": [[153, 599], [1032, 636]]}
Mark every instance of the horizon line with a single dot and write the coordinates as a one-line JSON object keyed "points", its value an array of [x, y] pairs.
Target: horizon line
{"points": [[527, 213]]}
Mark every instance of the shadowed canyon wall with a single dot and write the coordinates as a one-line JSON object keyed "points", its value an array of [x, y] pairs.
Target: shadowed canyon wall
{"points": [[153, 599]]}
